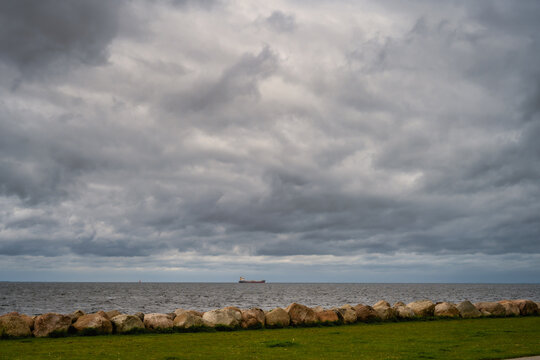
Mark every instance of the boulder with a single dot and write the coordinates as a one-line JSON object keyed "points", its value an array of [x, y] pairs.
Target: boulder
{"points": [[12, 325], [127, 323], [103, 313], [301, 314], [385, 311], [93, 324], [193, 312], [51, 324], [402, 311], [446, 309], [140, 315], [156, 321], [527, 307], [112, 313], [171, 315], [510, 307], [366, 313], [488, 308], [187, 319], [228, 317], [76, 315], [327, 316], [252, 318], [467, 310], [422, 308], [277, 318], [318, 308], [29, 320], [346, 314]]}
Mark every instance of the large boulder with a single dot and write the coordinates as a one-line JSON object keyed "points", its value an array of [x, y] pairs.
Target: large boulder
{"points": [[76, 315], [422, 308], [227, 317], [13, 325], [385, 311], [402, 311], [51, 324], [187, 319], [327, 316], [510, 307], [446, 309], [527, 307], [346, 314], [157, 321], [140, 315], [193, 312], [467, 310], [489, 308], [93, 324], [366, 313], [301, 314], [29, 320], [277, 318], [127, 324], [252, 318], [112, 313]]}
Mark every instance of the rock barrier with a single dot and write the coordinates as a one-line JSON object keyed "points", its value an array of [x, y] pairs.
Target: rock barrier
{"points": [[15, 325]]}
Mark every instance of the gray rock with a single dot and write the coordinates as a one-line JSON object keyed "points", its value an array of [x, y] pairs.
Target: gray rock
{"points": [[228, 317], [467, 310], [51, 323], [126, 323], [277, 317]]}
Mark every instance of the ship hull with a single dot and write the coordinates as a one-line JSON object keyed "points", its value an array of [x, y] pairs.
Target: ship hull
{"points": [[252, 281]]}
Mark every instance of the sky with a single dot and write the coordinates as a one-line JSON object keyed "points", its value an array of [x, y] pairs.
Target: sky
{"points": [[292, 141]]}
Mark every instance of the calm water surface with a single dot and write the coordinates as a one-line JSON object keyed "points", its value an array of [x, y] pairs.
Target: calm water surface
{"points": [[39, 298]]}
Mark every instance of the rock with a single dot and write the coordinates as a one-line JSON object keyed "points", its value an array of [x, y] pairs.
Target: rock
{"points": [[51, 324], [318, 308], [346, 314], [193, 312], [112, 313], [93, 324], [127, 323], [171, 315], [301, 314], [103, 313], [12, 325], [402, 311], [156, 321], [366, 313], [510, 307], [29, 320], [76, 315], [527, 307], [446, 309], [252, 318], [385, 311], [490, 308], [140, 315], [327, 316], [422, 308], [187, 319], [228, 317], [467, 310], [277, 318]]}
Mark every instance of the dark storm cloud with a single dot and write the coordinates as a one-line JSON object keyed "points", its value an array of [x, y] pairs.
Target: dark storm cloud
{"points": [[38, 34], [367, 132]]}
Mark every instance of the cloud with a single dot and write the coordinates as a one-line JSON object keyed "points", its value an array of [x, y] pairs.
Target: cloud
{"points": [[44, 34], [320, 135]]}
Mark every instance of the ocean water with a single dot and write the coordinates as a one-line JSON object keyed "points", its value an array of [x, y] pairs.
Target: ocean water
{"points": [[38, 298]]}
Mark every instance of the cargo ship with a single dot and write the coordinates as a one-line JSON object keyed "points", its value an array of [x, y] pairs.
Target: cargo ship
{"points": [[244, 281]]}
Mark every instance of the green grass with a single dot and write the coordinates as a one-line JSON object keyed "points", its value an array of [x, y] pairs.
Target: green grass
{"points": [[496, 338]]}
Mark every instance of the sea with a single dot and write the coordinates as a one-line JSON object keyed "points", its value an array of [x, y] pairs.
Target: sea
{"points": [[34, 298]]}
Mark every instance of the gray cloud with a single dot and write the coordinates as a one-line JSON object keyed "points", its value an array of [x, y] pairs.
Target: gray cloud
{"points": [[202, 139]]}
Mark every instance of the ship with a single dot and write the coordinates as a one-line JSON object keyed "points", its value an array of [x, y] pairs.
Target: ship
{"points": [[244, 281]]}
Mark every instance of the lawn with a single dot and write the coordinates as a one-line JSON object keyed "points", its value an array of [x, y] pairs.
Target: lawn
{"points": [[443, 339]]}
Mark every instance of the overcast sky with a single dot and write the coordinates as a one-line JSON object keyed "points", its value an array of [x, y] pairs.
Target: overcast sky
{"points": [[340, 141]]}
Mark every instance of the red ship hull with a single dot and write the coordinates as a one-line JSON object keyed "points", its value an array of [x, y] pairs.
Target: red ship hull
{"points": [[252, 281]]}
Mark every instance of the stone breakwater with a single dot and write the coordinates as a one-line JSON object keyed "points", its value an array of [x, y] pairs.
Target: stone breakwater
{"points": [[54, 325]]}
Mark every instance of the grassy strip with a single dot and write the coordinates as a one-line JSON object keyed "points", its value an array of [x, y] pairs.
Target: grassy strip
{"points": [[495, 338]]}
